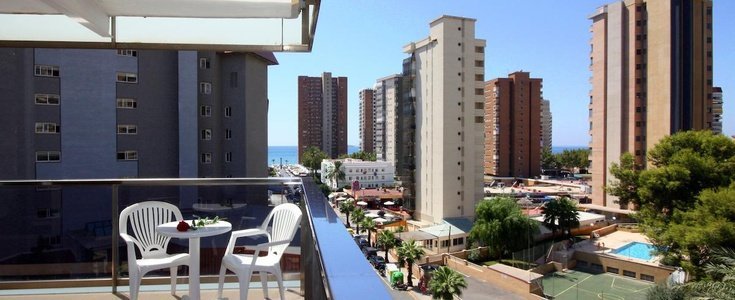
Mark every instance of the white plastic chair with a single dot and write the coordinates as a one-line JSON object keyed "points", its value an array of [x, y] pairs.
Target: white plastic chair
{"points": [[143, 218], [283, 221]]}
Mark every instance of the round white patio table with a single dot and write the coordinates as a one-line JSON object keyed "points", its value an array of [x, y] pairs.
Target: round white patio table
{"points": [[169, 229]]}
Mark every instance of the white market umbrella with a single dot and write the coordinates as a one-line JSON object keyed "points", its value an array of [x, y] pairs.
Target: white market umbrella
{"points": [[380, 220], [361, 203], [388, 215], [388, 203], [372, 215], [340, 198]]}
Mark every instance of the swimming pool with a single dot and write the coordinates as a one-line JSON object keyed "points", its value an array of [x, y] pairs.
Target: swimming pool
{"points": [[636, 250]]}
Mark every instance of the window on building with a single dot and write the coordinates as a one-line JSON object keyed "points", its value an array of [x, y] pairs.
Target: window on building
{"points": [[479, 63], [228, 134], [203, 63], [479, 105], [47, 127], [206, 158], [228, 111], [127, 155], [228, 157], [457, 241], [127, 77], [479, 119], [47, 99], [128, 103], [206, 134], [127, 52], [479, 92], [48, 156], [613, 270], [647, 277], [46, 71], [479, 77], [628, 273], [127, 129], [205, 111], [479, 49], [205, 88]]}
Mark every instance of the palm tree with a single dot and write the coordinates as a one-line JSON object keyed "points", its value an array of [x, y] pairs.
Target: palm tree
{"points": [[339, 174], [368, 225], [387, 240], [346, 208], [357, 216], [561, 214], [721, 273], [410, 252], [446, 283]]}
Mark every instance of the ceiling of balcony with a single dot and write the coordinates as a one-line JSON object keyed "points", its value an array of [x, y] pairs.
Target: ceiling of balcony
{"points": [[238, 25]]}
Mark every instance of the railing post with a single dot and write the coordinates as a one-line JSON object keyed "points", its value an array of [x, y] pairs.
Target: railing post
{"points": [[114, 238]]}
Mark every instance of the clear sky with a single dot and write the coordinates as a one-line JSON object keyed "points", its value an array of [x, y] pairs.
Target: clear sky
{"points": [[363, 41]]}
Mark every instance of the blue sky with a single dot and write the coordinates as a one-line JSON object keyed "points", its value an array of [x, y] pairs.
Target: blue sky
{"points": [[362, 40]]}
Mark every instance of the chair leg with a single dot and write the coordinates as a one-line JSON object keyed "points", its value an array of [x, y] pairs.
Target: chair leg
{"points": [[221, 284], [174, 272], [279, 278], [244, 284], [134, 287], [264, 283]]}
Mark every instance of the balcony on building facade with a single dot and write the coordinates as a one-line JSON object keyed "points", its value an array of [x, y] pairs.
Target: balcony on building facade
{"points": [[61, 234]]}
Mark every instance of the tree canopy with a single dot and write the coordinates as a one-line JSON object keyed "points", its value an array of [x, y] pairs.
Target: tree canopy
{"points": [[365, 156], [501, 225], [409, 252], [561, 214], [575, 158], [684, 197], [548, 159], [446, 283], [312, 158]]}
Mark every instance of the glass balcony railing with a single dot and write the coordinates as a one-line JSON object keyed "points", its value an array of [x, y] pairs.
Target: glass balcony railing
{"points": [[64, 233]]}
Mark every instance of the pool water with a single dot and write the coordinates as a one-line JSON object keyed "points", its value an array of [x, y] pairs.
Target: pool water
{"points": [[636, 250]]}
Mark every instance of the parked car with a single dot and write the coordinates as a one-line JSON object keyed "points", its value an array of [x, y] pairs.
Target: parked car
{"points": [[370, 251], [377, 261]]}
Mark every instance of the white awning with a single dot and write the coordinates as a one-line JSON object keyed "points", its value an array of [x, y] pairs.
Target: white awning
{"points": [[237, 25]]}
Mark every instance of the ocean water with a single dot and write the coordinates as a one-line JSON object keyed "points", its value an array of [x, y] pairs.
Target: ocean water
{"points": [[289, 154]]}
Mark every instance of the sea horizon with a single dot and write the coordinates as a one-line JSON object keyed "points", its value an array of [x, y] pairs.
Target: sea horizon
{"points": [[289, 154]]}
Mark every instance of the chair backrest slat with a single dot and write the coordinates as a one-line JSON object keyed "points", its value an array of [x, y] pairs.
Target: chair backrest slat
{"points": [[285, 222]]}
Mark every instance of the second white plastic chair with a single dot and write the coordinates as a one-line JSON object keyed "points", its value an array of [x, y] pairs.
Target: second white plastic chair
{"points": [[283, 222]]}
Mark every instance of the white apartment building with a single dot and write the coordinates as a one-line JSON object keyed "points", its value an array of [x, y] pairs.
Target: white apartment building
{"points": [[448, 70], [546, 122], [387, 91], [370, 174]]}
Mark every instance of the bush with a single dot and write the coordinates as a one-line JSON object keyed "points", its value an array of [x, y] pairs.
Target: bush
{"points": [[325, 189], [475, 256]]}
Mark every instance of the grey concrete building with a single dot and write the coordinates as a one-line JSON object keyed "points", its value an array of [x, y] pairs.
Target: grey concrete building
{"points": [[83, 113]]}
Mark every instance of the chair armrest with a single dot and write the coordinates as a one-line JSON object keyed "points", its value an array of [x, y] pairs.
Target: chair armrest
{"points": [[264, 247], [243, 233], [131, 242]]}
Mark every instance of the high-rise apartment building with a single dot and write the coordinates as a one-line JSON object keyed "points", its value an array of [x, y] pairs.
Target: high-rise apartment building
{"points": [[367, 119], [323, 114], [546, 124], [87, 113], [636, 44], [513, 126], [387, 92], [444, 83], [717, 109]]}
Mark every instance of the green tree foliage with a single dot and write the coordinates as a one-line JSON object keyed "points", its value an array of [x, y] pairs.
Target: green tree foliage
{"points": [[692, 233], [387, 240], [501, 225], [625, 187], [720, 283], [576, 158], [335, 173], [368, 225], [346, 207], [683, 196], [446, 283], [365, 156], [409, 252], [548, 159], [662, 292], [561, 214], [312, 158], [358, 215]]}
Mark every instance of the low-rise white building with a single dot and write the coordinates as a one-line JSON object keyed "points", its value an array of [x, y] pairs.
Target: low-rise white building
{"points": [[369, 174]]}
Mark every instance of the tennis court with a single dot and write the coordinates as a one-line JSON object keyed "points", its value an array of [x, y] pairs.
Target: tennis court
{"points": [[575, 284]]}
